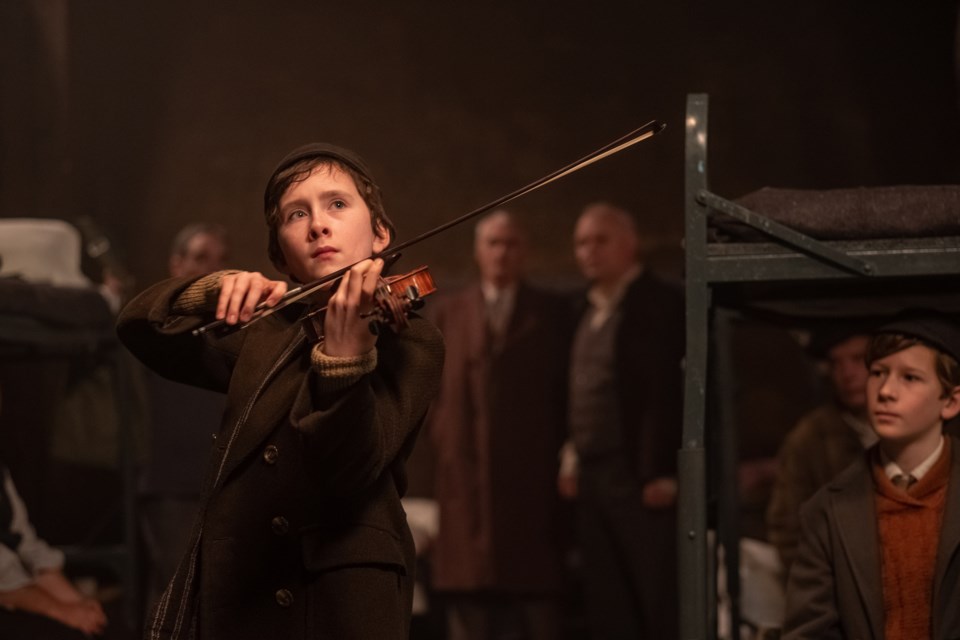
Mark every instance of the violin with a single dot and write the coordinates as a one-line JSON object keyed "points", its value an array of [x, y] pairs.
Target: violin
{"points": [[391, 254], [394, 299]]}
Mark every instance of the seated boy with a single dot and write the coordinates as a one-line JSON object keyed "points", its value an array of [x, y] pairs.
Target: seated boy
{"points": [[878, 551], [301, 532]]}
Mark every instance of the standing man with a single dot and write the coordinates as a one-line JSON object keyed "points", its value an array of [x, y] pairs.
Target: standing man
{"points": [[496, 427], [198, 249], [625, 423], [181, 419]]}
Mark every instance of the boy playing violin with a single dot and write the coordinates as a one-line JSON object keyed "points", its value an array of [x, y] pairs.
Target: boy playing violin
{"points": [[301, 533], [879, 553]]}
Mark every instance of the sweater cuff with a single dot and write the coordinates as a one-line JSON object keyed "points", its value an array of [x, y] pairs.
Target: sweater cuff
{"points": [[200, 296], [339, 372]]}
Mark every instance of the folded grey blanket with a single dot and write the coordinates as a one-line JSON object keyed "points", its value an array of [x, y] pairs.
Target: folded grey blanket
{"points": [[851, 214]]}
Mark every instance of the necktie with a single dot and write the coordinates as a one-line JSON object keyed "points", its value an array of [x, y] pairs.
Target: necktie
{"points": [[903, 481], [497, 314]]}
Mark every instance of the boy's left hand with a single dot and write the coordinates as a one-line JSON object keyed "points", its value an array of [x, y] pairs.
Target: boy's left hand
{"points": [[345, 332], [242, 291]]}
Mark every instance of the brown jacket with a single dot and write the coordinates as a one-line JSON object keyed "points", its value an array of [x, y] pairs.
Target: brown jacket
{"points": [[301, 534], [497, 426], [819, 447], [835, 587]]}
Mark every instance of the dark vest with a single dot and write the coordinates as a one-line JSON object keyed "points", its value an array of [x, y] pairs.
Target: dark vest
{"points": [[595, 420]]}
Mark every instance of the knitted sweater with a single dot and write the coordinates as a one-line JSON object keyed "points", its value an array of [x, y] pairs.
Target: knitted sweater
{"points": [[908, 523]]}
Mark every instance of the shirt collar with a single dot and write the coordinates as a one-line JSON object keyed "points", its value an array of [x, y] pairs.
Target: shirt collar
{"points": [[605, 300], [892, 469], [492, 293], [604, 303]]}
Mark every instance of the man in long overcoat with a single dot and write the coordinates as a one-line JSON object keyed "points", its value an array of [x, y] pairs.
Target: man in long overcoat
{"points": [[496, 428]]}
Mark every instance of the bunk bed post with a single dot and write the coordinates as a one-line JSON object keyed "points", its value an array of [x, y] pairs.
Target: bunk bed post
{"points": [[723, 446], [691, 459]]}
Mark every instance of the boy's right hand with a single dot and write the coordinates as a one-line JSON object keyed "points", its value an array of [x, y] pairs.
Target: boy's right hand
{"points": [[242, 291]]}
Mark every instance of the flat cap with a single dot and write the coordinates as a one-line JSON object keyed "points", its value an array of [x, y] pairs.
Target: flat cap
{"points": [[318, 150], [932, 327]]}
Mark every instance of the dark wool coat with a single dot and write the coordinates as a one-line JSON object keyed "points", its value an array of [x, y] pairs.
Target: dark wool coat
{"points": [[629, 551], [649, 354], [302, 534], [835, 585], [497, 427]]}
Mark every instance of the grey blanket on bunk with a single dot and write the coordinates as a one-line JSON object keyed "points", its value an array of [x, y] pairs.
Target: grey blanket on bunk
{"points": [[852, 214]]}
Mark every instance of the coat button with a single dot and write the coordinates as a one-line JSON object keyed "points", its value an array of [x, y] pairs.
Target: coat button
{"points": [[270, 454], [280, 525], [284, 597]]}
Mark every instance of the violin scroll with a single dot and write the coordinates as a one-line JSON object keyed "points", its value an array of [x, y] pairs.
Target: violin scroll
{"points": [[401, 294]]}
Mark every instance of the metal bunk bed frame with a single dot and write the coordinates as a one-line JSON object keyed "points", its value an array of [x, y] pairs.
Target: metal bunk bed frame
{"points": [[790, 257]]}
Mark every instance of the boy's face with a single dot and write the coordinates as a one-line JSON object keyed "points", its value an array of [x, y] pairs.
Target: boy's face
{"points": [[905, 398], [324, 225]]}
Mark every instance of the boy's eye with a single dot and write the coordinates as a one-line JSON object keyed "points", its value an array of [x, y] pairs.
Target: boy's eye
{"points": [[339, 204]]}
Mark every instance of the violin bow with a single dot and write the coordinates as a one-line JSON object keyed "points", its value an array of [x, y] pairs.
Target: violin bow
{"points": [[391, 254]]}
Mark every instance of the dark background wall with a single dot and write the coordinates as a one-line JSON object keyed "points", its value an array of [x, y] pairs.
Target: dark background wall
{"points": [[150, 115]]}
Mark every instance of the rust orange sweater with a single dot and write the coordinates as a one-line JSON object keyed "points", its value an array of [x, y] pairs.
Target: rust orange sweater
{"points": [[909, 527]]}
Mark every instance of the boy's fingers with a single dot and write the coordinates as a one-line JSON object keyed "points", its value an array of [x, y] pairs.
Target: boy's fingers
{"points": [[339, 296], [371, 275], [226, 289], [251, 299], [237, 297], [277, 291], [371, 279], [355, 286]]}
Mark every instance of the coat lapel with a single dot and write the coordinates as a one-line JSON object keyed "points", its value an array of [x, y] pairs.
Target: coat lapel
{"points": [[949, 534], [854, 511], [523, 318], [470, 311], [259, 417]]}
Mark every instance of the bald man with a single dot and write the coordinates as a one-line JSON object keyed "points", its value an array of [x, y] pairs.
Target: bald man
{"points": [[496, 427], [625, 412]]}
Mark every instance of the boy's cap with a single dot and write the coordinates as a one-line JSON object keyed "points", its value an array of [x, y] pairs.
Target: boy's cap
{"points": [[932, 327], [320, 150]]}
